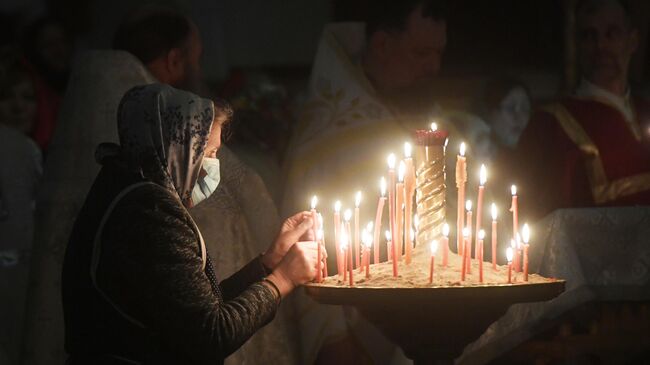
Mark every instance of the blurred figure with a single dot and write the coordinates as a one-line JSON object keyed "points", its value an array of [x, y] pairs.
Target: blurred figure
{"points": [[370, 85], [166, 42], [20, 172], [591, 148], [49, 49]]}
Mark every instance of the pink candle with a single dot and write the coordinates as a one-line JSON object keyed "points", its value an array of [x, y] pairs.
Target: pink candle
{"points": [[367, 243], [337, 239], [514, 208], [350, 269], [389, 248], [465, 253], [409, 190], [380, 210], [321, 232], [509, 254], [525, 235], [434, 248], [315, 228], [494, 236], [517, 248], [357, 238], [479, 202], [399, 213], [391, 209], [468, 206], [481, 237], [445, 245], [461, 179]]}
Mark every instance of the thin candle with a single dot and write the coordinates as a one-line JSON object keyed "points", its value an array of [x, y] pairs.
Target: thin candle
{"points": [[509, 258], [514, 208], [337, 238], [525, 236], [398, 244], [389, 248], [315, 228], [434, 249], [322, 238], [364, 254], [357, 238], [461, 179], [465, 254], [445, 245], [468, 207], [347, 216], [344, 251], [493, 210], [367, 244], [481, 237], [319, 269], [391, 209], [479, 202], [378, 215], [409, 191]]}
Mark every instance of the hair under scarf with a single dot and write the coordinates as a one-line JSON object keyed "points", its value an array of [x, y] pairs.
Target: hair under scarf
{"points": [[163, 133]]}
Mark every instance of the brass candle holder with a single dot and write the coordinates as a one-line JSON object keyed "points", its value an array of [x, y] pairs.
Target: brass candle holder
{"points": [[430, 183]]}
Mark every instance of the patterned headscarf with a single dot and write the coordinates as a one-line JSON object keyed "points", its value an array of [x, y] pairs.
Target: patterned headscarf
{"points": [[163, 134]]}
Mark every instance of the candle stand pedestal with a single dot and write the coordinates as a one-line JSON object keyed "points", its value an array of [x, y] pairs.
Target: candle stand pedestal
{"points": [[433, 325]]}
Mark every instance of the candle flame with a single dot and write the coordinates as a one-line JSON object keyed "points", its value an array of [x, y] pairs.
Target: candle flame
{"points": [[445, 230], [513, 189], [525, 233], [389, 237], [337, 206], [434, 126], [344, 239], [493, 208], [407, 150], [402, 171], [369, 226], [481, 235], [434, 247], [391, 161], [412, 235], [319, 235], [382, 186], [512, 243], [416, 221], [357, 199], [518, 240], [347, 215], [468, 205], [462, 149], [466, 232], [509, 254], [483, 175], [314, 202], [320, 220]]}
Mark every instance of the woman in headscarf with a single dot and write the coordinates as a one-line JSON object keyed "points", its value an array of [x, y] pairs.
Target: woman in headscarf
{"points": [[138, 284]]}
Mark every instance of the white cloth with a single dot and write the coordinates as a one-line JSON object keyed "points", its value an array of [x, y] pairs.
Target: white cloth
{"points": [[622, 103]]}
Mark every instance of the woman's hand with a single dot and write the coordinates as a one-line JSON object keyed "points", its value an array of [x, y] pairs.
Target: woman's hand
{"points": [[297, 267], [295, 228]]}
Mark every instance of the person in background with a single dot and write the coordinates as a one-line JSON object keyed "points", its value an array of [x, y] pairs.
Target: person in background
{"points": [[20, 172], [166, 42], [591, 148]]}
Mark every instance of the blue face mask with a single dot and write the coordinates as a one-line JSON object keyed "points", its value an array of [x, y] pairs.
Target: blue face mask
{"points": [[207, 184]]}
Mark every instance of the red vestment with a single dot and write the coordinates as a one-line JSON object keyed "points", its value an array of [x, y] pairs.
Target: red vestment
{"points": [[581, 152]]}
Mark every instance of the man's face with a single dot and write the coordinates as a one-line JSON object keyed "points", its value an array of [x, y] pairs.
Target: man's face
{"points": [[412, 58], [511, 117], [606, 44], [18, 106]]}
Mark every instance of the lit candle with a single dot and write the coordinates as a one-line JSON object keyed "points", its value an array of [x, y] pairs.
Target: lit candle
{"points": [[434, 127], [479, 202], [364, 254], [389, 248], [357, 238], [514, 208], [461, 179], [509, 258], [315, 228], [409, 190], [494, 236], [337, 239], [344, 242], [481, 237], [434, 248], [525, 236], [391, 209], [445, 245], [513, 245], [398, 244], [319, 269], [468, 206], [347, 216], [322, 238], [517, 248], [367, 244], [380, 210], [465, 253]]}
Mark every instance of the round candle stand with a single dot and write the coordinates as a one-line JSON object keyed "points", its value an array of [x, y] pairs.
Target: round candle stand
{"points": [[433, 325]]}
